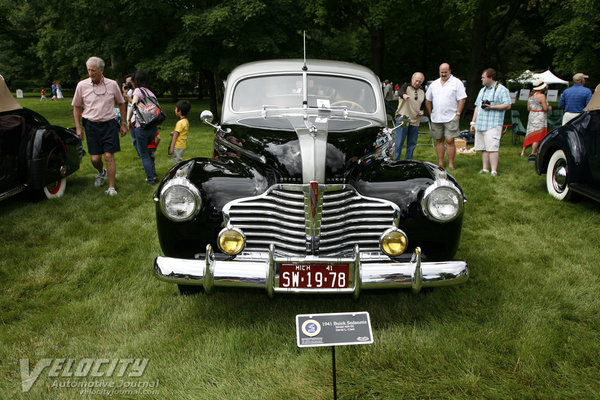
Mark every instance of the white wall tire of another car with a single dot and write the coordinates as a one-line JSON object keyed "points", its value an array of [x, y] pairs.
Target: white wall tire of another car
{"points": [[55, 189], [557, 176]]}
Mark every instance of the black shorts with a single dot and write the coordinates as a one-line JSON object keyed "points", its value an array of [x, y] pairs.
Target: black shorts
{"points": [[102, 137]]}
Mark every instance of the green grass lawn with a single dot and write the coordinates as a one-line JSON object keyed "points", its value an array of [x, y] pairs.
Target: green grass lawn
{"points": [[76, 282]]}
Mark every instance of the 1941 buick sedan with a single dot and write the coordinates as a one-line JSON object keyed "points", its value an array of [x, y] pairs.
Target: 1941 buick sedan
{"points": [[301, 195], [35, 156]]}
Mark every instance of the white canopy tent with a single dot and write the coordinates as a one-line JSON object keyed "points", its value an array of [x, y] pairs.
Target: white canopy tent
{"points": [[547, 76]]}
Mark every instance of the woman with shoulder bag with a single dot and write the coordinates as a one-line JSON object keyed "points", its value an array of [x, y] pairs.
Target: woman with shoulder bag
{"points": [[143, 136]]}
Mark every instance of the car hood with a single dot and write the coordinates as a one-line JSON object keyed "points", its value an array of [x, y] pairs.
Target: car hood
{"points": [[302, 150]]}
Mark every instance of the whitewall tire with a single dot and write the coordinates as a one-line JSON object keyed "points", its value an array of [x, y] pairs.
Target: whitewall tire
{"points": [[55, 189], [557, 176]]}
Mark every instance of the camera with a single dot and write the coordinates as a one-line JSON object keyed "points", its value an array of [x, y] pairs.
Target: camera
{"points": [[485, 104], [128, 85]]}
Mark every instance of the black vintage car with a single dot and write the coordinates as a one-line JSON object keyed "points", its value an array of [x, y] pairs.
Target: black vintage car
{"points": [[34, 156], [301, 196], [570, 155]]}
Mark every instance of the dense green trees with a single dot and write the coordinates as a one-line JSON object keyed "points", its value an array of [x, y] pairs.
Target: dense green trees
{"points": [[184, 43]]}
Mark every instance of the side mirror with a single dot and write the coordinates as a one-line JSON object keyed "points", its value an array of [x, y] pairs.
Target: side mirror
{"points": [[207, 117]]}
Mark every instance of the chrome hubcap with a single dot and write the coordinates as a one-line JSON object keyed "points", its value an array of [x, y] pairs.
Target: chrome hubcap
{"points": [[560, 176]]}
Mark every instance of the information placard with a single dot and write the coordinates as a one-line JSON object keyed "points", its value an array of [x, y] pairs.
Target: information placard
{"points": [[335, 329]]}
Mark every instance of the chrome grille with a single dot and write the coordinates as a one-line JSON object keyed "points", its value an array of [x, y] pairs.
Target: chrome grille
{"points": [[286, 216]]}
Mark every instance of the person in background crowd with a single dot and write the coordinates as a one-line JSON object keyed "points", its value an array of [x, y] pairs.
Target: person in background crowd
{"points": [[388, 96], [152, 151], [491, 103], [537, 123], [143, 136], [98, 95], [42, 94], [59, 94], [445, 99], [575, 98], [128, 88], [53, 88], [179, 134], [410, 109]]}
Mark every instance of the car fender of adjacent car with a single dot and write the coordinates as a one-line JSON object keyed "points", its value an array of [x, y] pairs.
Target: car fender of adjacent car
{"points": [[570, 157], [35, 156]]}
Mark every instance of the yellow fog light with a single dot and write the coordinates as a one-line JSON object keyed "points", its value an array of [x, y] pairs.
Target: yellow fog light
{"points": [[231, 241], [393, 242]]}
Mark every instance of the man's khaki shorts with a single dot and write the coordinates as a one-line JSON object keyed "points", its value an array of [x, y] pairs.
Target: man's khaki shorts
{"points": [[445, 129], [488, 140]]}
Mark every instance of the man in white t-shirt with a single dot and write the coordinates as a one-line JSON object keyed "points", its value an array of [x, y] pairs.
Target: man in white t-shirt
{"points": [[445, 99]]}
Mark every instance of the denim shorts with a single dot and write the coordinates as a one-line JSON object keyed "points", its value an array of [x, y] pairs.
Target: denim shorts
{"points": [[102, 137]]}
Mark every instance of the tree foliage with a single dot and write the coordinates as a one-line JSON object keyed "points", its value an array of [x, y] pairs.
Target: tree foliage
{"points": [[195, 43]]}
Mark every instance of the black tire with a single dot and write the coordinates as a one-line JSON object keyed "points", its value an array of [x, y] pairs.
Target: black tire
{"points": [[557, 177]]}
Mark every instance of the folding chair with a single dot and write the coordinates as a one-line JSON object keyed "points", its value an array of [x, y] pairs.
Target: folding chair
{"points": [[427, 131], [517, 127], [555, 117]]}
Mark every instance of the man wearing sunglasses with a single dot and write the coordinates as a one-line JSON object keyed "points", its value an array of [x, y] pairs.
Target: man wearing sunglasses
{"points": [[98, 95], [410, 109]]}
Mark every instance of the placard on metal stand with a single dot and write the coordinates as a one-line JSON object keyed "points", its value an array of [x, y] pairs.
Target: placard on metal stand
{"points": [[335, 329]]}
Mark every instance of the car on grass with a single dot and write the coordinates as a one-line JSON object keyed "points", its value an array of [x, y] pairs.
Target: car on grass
{"points": [[301, 195], [35, 156], [570, 156]]}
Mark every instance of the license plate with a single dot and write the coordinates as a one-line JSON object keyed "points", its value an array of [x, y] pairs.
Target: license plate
{"points": [[313, 276]]}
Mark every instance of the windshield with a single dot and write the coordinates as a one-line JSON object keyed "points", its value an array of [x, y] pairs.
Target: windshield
{"points": [[286, 91]]}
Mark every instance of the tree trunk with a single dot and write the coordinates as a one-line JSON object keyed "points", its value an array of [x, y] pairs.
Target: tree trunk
{"points": [[377, 50], [212, 95], [478, 59]]}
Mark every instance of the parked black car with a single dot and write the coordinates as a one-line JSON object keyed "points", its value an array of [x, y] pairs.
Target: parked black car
{"points": [[570, 155], [301, 195], [34, 155]]}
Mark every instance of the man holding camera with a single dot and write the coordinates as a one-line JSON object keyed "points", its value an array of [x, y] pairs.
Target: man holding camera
{"points": [[492, 101]]}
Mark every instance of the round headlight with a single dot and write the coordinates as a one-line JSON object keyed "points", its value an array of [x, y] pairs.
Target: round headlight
{"points": [[393, 242], [180, 200], [231, 241], [442, 202]]}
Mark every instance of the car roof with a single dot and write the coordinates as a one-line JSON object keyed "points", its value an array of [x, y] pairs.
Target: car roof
{"points": [[7, 101], [295, 66]]}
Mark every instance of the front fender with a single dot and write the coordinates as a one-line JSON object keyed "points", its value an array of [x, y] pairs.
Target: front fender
{"points": [[568, 139], [52, 154], [218, 181], [404, 183]]}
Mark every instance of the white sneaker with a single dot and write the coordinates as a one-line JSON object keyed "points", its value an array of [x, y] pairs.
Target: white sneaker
{"points": [[100, 178], [494, 173], [483, 171], [111, 192]]}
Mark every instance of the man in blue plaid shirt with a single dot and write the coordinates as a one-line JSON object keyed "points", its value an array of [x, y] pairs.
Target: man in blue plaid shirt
{"points": [[492, 101]]}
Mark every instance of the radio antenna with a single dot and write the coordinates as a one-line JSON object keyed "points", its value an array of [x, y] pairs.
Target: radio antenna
{"points": [[304, 68]]}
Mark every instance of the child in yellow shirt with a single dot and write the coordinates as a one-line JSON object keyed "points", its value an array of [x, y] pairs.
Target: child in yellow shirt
{"points": [[179, 134]]}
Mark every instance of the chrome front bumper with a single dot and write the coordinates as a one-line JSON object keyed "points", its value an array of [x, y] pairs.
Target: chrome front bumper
{"points": [[254, 271]]}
